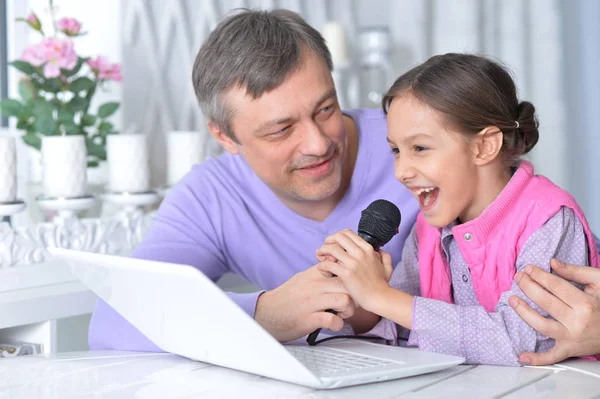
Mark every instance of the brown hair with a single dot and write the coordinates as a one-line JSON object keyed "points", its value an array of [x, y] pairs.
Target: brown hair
{"points": [[255, 50], [473, 93]]}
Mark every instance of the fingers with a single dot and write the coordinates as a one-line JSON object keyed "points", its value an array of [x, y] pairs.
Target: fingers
{"points": [[386, 259], [579, 274], [563, 291], [332, 268], [554, 355], [548, 327], [350, 241], [342, 304], [327, 320], [336, 251]]}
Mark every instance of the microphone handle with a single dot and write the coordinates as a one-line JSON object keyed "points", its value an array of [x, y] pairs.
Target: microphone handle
{"points": [[312, 337]]}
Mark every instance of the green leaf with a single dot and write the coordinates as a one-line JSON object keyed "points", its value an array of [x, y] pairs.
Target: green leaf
{"points": [[26, 110], [45, 125], [22, 125], [107, 109], [24, 67], [65, 116], [78, 104], [105, 127], [41, 105], [81, 84], [26, 90], [70, 72], [95, 150], [10, 107], [93, 164], [88, 120], [72, 129], [53, 85], [33, 140]]}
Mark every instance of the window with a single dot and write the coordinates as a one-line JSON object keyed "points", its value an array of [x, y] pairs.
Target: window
{"points": [[3, 58]]}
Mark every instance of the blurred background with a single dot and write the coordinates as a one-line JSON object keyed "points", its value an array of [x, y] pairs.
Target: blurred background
{"points": [[551, 46]]}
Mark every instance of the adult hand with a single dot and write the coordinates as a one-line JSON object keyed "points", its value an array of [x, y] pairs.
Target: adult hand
{"points": [[576, 327], [297, 307]]}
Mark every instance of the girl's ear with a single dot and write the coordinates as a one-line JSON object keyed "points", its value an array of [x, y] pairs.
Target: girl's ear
{"points": [[486, 145]]}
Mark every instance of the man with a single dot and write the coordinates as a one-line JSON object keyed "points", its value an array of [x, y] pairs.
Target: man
{"points": [[296, 170]]}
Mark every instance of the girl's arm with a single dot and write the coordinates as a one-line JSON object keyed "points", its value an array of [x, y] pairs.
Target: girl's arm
{"points": [[499, 337], [405, 278]]}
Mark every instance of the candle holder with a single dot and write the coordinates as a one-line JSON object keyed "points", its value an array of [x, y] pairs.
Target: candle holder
{"points": [[11, 208], [66, 207], [132, 217], [162, 191]]}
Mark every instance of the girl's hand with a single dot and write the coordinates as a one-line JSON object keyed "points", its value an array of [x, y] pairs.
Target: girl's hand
{"points": [[364, 272]]}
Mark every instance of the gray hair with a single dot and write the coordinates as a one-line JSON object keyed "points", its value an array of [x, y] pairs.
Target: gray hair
{"points": [[255, 50]]}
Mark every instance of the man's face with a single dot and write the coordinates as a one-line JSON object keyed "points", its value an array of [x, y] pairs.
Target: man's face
{"points": [[292, 137]]}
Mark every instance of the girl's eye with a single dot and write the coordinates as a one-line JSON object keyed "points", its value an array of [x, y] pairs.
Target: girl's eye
{"points": [[420, 148], [395, 151]]}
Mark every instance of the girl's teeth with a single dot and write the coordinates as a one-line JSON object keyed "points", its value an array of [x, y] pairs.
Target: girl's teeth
{"points": [[425, 190], [427, 199]]}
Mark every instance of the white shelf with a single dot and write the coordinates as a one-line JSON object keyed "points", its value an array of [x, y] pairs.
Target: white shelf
{"points": [[43, 303]]}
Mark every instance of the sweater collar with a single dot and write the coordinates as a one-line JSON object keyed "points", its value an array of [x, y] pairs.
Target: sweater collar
{"points": [[485, 224]]}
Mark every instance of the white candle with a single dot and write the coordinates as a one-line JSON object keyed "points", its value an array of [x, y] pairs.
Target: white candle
{"points": [[184, 150], [334, 34], [128, 166], [64, 160], [8, 169]]}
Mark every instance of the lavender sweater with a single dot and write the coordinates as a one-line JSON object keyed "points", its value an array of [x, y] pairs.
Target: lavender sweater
{"points": [[222, 218]]}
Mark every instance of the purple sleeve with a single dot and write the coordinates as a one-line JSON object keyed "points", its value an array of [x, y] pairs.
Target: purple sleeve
{"points": [[404, 278], [499, 337], [181, 233]]}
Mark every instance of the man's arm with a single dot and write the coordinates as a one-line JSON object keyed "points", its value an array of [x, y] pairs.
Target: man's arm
{"points": [[187, 231], [183, 232]]}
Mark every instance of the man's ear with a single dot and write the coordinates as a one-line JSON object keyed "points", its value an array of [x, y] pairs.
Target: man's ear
{"points": [[487, 145], [230, 145]]}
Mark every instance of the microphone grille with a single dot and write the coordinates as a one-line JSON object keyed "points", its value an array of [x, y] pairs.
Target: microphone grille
{"points": [[380, 220]]}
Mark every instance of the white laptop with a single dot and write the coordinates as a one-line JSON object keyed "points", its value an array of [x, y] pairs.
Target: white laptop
{"points": [[183, 312]]}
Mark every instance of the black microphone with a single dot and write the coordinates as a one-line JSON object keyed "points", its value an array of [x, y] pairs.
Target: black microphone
{"points": [[378, 223]]}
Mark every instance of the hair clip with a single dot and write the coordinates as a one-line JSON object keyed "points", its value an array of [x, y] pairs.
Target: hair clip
{"points": [[517, 124]]}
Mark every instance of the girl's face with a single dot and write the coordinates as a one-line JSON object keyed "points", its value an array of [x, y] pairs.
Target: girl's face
{"points": [[434, 163]]}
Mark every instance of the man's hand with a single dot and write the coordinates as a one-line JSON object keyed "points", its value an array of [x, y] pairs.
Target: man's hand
{"points": [[576, 327], [297, 307]]}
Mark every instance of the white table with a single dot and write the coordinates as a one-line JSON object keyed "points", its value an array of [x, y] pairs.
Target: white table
{"points": [[112, 374]]}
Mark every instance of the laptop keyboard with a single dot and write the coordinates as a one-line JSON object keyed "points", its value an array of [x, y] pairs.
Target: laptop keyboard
{"points": [[328, 361]]}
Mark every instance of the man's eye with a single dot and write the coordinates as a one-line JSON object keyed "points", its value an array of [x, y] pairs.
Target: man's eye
{"points": [[280, 132], [327, 109]]}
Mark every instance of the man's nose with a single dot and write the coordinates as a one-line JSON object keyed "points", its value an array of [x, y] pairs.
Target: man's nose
{"points": [[314, 142]]}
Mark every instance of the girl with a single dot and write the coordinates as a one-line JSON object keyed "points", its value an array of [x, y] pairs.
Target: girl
{"points": [[459, 132]]}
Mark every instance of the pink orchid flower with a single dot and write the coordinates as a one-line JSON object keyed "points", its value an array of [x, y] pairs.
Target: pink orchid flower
{"points": [[34, 55], [34, 22], [105, 70], [69, 26], [59, 54]]}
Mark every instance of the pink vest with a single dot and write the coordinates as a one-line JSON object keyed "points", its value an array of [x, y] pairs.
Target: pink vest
{"points": [[491, 243]]}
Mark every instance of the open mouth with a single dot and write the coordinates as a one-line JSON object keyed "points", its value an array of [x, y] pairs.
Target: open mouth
{"points": [[427, 197]]}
